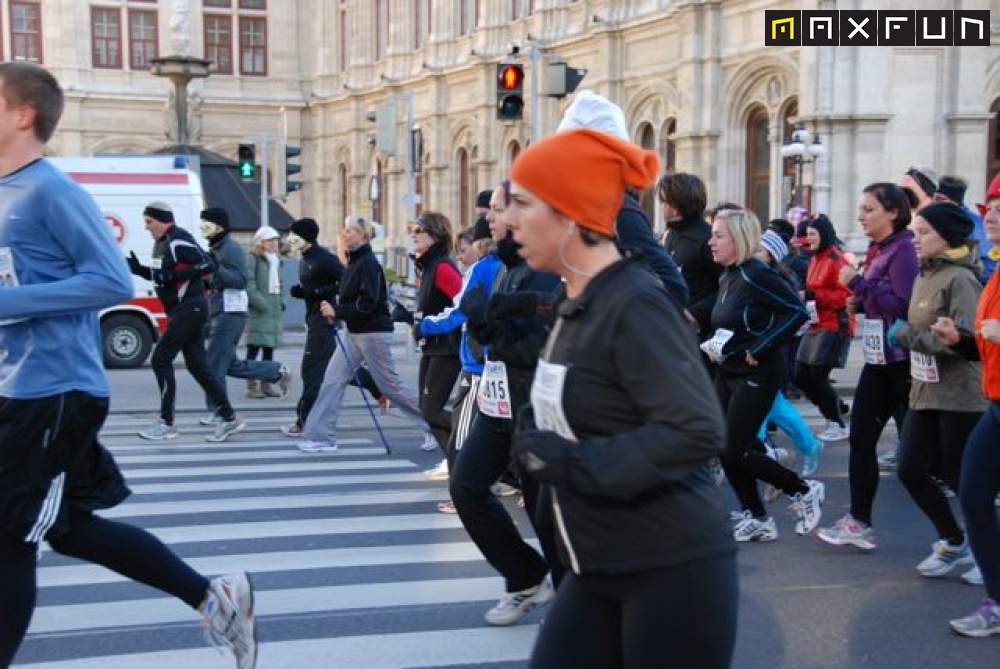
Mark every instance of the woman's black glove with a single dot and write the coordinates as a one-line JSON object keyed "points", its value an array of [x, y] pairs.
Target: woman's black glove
{"points": [[401, 314], [543, 454]]}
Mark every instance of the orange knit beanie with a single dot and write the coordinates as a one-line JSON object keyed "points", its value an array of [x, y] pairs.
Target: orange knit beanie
{"points": [[583, 174]]}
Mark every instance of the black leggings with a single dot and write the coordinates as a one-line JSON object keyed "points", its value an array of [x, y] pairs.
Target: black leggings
{"points": [[747, 399], [436, 378], [185, 334], [980, 485], [931, 437], [679, 617], [883, 392], [814, 382], [127, 550]]}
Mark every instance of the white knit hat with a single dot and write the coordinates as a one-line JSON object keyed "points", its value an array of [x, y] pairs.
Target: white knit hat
{"points": [[772, 242], [594, 111], [264, 233]]}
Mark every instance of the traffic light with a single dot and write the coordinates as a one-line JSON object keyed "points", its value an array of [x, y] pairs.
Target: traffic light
{"points": [[561, 79], [247, 162], [510, 91], [292, 168], [384, 118]]}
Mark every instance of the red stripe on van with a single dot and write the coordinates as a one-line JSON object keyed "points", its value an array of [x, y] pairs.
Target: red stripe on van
{"points": [[121, 178]]}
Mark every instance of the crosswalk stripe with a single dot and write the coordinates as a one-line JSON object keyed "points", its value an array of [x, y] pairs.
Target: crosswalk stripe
{"points": [[330, 481], [142, 508]]}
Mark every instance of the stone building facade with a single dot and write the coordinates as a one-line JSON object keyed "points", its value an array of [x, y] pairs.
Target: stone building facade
{"points": [[694, 78]]}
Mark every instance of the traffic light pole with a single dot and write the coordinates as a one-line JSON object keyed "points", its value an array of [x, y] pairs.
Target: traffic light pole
{"points": [[264, 208], [533, 134]]}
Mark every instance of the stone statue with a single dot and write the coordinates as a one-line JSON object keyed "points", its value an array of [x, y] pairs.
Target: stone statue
{"points": [[180, 28], [194, 118], [170, 116]]}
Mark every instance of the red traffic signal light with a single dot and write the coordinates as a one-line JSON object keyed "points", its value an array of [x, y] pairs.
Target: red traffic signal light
{"points": [[510, 84], [510, 77]]}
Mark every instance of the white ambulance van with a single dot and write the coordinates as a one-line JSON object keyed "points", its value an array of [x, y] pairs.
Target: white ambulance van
{"points": [[122, 187]]}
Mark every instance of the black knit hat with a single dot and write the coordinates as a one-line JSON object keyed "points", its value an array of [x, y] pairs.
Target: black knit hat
{"points": [[481, 229], [159, 211], [306, 228], [216, 215], [483, 199], [950, 221]]}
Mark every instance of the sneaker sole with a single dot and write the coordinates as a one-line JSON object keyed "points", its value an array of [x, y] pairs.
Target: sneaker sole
{"points": [[864, 548], [946, 569], [165, 437], [975, 634]]}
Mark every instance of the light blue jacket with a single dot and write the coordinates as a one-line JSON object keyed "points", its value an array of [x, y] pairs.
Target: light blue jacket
{"points": [[67, 267]]}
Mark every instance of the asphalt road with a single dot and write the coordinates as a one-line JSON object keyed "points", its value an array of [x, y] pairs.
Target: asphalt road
{"points": [[355, 568]]}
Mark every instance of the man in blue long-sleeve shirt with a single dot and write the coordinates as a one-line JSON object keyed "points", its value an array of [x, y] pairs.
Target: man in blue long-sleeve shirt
{"points": [[59, 266]]}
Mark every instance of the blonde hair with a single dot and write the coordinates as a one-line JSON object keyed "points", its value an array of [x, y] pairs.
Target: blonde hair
{"points": [[744, 228], [362, 225]]}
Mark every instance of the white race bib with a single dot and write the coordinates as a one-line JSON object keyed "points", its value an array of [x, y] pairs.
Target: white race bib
{"points": [[924, 367], [8, 277], [546, 399], [713, 347], [873, 340], [235, 300], [156, 263], [494, 391]]}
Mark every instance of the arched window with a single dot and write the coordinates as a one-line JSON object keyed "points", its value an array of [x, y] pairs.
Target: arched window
{"points": [[464, 201], [788, 185], [993, 148], [647, 140], [378, 213], [513, 150], [668, 148], [758, 165]]}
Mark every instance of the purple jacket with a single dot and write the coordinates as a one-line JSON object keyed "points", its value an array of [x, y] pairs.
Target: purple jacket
{"points": [[884, 291]]}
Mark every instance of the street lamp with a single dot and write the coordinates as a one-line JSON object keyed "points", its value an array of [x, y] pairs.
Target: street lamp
{"points": [[801, 147]]}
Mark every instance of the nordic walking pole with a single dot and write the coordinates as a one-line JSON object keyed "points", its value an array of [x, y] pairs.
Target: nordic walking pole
{"points": [[361, 389]]}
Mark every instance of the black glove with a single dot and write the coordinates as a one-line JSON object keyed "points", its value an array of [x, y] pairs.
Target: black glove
{"points": [[297, 292], [162, 276], [415, 331], [401, 314], [134, 265], [512, 305], [473, 304], [543, 454]]}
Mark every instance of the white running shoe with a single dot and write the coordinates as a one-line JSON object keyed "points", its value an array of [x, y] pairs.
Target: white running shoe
{"points": [[514, 605], [229, 618], [849, 532], [316, 447], [430, 443], [808, 506], [973, 576], [159, 431], [438, 472], [944, 557], [833, 432], [982, 622], [226, 428], [753, 529]]}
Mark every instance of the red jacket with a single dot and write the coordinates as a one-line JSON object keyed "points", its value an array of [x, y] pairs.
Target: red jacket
{"points": [[823, 281], [989, 352]]}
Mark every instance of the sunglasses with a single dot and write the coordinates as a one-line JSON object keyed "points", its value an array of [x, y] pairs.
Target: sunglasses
{"points": [[416, 230]]}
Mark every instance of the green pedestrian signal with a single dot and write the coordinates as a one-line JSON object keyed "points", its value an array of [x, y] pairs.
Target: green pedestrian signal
{"points": [[247, 162]]}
